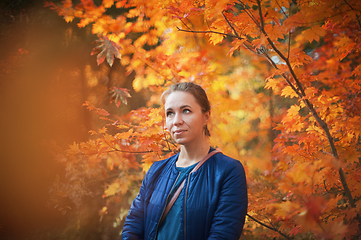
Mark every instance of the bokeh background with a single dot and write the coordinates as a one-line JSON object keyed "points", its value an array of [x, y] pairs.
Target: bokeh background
{"points": [[46, 74]]}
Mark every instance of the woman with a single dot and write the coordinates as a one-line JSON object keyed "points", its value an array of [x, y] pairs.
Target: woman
{"points": [[212, 203]]}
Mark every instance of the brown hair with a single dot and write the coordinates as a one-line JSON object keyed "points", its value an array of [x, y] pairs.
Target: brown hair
{"points": [[198, 93]]}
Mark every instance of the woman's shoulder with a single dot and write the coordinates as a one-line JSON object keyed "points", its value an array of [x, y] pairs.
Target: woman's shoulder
{"points": [[227, 162], [223, 158]]}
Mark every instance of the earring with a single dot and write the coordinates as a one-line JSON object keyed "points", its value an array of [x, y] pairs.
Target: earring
{"points": [[206, 131]]}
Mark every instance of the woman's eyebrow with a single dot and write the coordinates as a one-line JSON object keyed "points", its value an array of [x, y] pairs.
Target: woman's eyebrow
{"points": [[181, 107], [185, 106]]}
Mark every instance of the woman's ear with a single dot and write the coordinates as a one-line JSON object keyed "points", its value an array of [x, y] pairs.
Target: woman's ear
{"points": [[207, 116]]}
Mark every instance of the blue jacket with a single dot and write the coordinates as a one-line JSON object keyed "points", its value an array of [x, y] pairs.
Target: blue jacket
{"points": [[215, 200]]}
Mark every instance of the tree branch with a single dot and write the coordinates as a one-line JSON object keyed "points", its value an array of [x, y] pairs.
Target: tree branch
{"points": [[309, 105], [260, 15], [195, 31], [231, 26], [269, 227]]}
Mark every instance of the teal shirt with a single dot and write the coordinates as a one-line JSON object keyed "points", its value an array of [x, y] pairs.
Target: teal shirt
{"points": [[170, 228]]}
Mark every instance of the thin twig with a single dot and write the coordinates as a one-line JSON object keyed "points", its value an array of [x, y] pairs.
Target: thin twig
{"points": [[250, 14], [195, 38], [260, 15], [282, 9], [231, 26], [200, 31], [269, 227], [289, 45]]}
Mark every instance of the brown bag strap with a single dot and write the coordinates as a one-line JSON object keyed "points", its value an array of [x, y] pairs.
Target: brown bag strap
{"points": [[179, 190]]}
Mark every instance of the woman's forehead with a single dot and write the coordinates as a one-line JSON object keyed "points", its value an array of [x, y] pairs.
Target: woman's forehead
{"points": [[179, 98]]}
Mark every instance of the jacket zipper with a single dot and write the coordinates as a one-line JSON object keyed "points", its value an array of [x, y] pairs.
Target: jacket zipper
{"points": [[166, 203], [185, 208]]}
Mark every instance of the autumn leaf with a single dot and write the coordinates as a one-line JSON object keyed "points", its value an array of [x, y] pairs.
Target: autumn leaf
{"points": [[106, 50], [314, 33], [288, 92], [119, 95], [99, 111], [108, 3], [112, 189], [74, 149], [311, 214], [68, 18]]}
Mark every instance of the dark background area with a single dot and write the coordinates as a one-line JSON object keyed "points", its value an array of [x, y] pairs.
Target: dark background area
{"points": [[40, 104], [44, 80]]}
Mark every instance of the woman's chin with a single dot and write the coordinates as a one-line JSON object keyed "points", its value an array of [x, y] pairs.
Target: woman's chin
{"points": [[180, 141]]}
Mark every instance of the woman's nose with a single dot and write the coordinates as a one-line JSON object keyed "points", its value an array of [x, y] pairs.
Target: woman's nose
{"points": [[178, 119]]}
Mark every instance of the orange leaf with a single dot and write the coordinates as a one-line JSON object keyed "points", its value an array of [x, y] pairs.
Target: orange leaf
{"points": [[309, 218], [288, 92], [314, 33], [108, 3]]}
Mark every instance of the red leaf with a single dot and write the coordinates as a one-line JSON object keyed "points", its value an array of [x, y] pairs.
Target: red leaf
{"points": [[107, 49], [119, 95]]}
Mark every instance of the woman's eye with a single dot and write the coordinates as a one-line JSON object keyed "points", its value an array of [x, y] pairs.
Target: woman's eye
{"points": [[186, 111], [169, 114]]}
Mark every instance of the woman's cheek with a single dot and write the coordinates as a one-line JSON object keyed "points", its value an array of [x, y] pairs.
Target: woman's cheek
{"points": [[167, 125]]}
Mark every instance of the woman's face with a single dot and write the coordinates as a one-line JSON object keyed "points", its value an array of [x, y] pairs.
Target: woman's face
{"points": [[184, 118]]}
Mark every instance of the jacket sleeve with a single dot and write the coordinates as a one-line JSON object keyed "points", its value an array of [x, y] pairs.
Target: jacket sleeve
{"points": [[133, 228], [229, 216]]}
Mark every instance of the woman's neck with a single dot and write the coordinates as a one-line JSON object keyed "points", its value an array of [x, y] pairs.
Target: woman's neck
{"points": [[192, 154]]}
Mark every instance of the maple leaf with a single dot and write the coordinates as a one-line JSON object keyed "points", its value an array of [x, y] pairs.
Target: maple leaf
{"points": [[314, 33], [119, 95], [107, 49], [112, 189], [74, 149], [293, 110], [314, 207], [288, 92], [147, 161], [99, 111]]}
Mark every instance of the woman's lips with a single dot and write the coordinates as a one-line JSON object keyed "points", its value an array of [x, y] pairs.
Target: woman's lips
{"points": [[178, 132]]}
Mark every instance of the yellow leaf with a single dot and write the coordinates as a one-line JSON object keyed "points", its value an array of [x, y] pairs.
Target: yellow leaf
{"points": [[137, 84], [112, 189], [288, 92], [147, 162], [217, 26], [69, 18], [108, 3], [216, 38], [273, 84], [293, 111]]}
